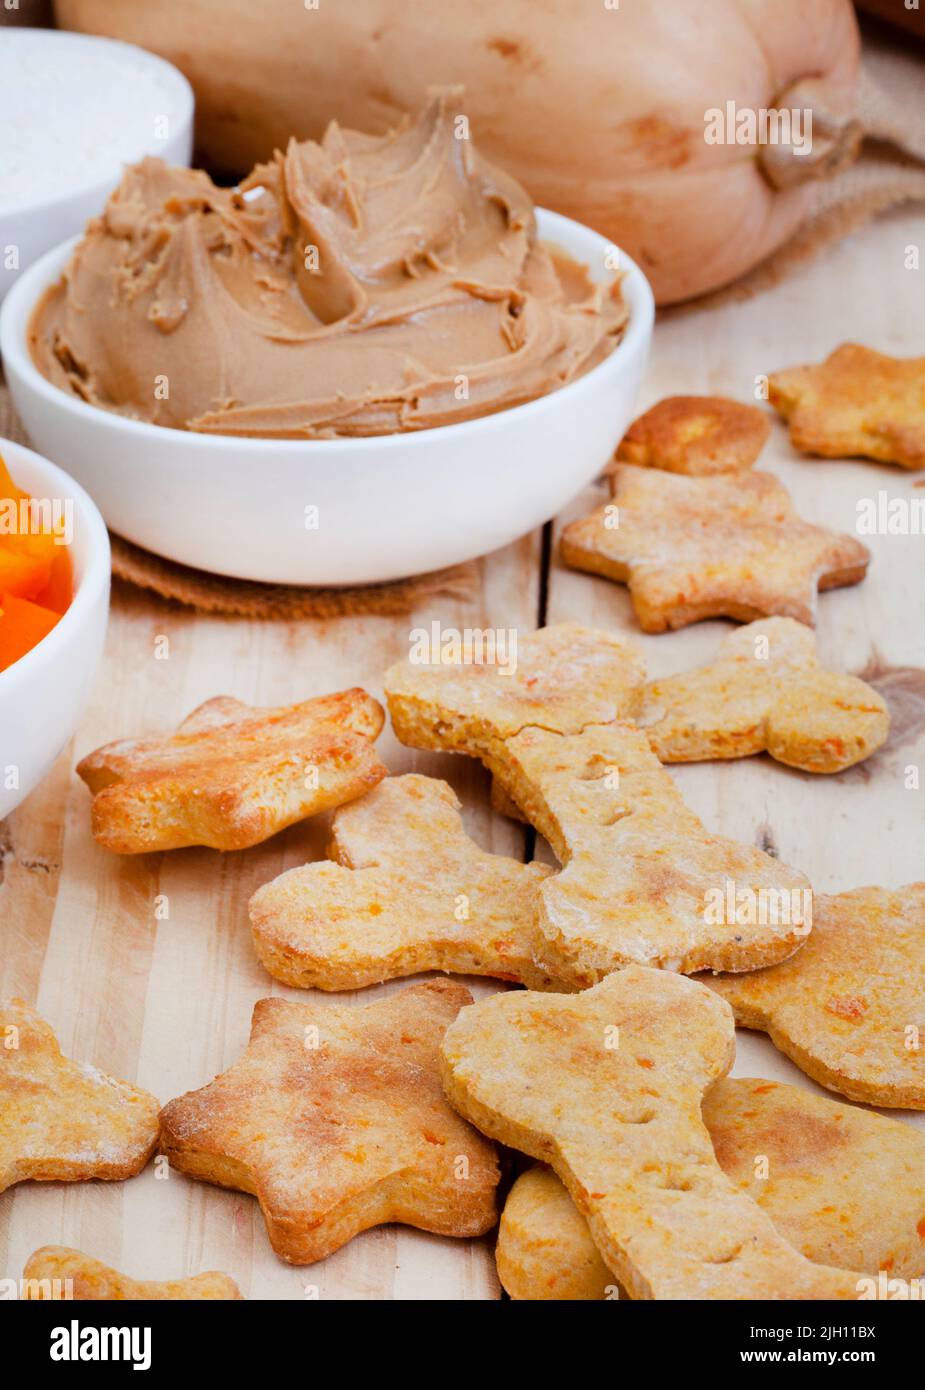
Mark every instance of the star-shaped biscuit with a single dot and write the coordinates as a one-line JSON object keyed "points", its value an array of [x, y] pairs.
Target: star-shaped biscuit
{"points": [[643, 882], [64, 1121], [334, 1120], [55, 1271], [565, 676], [696, 435], [606, 1086], [849, 1010], [856, 402], [409, 891], [766, 691], [728, 546], [233, 775], [844, 1186]]}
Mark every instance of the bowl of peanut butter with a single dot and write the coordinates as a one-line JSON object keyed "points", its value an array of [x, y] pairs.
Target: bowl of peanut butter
{"points": [[373, 357]]}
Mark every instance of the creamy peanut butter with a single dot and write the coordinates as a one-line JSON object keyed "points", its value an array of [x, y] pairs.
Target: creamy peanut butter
{"points": [[361, 285]]}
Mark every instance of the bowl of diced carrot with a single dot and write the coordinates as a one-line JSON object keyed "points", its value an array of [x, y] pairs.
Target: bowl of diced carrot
{"points": [[54, 601]]}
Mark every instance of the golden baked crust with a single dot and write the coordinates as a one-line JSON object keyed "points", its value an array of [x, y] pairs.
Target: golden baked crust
{"points": [[409, 891], [766, 692], [729, 546], [850, 1008], [843, 1186], [696, 435], [856, 402], [606, 1087], [233, 775], [91, 1279], [333, 1118], [545, 1252], [566, 676], [643, 882], [64, 1121]]}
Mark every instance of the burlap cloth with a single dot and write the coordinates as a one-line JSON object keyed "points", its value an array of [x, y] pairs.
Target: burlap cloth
{"points": [[889, 171]]}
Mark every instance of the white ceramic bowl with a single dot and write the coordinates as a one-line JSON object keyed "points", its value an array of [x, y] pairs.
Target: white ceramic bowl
{"points": [[34, 223], [387, 506], [43, 694]]}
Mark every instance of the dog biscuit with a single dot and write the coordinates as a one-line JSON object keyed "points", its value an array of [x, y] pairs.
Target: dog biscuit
{"points": [[606, 1086], [642, 881], [566, 676], [233, 775], [766, 692], [844, 1186], [728, 546], [55, 1267], [696, 435], [409, 891], [849, 1010], [64, 1121], [334, 1120], [856, 402]]}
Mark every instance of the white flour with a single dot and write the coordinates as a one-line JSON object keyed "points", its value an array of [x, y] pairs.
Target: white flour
{"points": [[74, 110]]}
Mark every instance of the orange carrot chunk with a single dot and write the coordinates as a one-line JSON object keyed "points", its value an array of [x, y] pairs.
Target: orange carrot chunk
{"points": [[22, 627]]}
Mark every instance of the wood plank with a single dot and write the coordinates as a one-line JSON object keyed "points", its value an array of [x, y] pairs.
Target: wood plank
{"points": [[167, 1003], [864, 826]]}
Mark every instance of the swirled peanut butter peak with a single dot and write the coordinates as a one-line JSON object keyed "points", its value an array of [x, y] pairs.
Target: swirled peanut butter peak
{"points": [[354, 286]]}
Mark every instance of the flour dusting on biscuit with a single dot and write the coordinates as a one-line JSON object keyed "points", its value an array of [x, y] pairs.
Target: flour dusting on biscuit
{"points": [[606, 1087], [727, 546], [409, 891], [334, 1119], [844, 1186]]}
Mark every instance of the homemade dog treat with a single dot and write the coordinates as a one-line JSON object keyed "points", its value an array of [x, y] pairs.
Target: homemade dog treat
{"points": [[566, 676], [233, 775], [642, 881], [844, 1186], [856, 402], [766, 692], [850, 1009], [729, 546], [409, 892], [335, 1121], [64, 1121], [606, 1086], [91, 1279], [696, 435]]}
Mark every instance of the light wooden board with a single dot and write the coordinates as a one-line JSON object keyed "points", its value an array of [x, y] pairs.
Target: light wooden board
{"points": [[167, 1003]]}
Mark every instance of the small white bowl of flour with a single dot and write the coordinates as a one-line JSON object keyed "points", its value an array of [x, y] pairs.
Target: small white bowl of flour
{"points": [[74, 109]]}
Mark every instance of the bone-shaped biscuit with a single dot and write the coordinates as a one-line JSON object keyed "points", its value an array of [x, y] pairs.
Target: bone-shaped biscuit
{"points": [[566, 676], [409, 892], [766, 691], [844, 1186], [233, 775], [55, 1271], [696, 435], [643, 882], [64, 1121], [333, 1118], [728, 546], [606, 1086], [856, 402], [849, 1010]]}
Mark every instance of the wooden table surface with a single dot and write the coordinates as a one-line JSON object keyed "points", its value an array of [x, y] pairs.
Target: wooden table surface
{"points": [[167, 1003]]}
